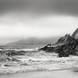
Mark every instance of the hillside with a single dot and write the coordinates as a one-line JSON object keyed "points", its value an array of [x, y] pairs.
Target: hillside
{"points": [[31, 43]]}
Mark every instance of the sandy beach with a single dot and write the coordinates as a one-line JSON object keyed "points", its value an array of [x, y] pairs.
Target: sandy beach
{"points": [[43, 74]]}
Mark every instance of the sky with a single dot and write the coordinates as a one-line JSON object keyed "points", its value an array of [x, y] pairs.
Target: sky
{"points": [[37, 18]]}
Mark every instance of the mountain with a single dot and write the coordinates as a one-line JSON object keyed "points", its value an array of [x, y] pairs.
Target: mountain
{"points": [[31, 43]]}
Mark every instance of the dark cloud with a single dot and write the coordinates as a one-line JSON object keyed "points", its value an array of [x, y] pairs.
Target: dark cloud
{"points": [[10, 5], [40, 6]]}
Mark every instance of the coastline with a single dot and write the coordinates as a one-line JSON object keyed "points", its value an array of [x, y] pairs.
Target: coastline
{"points": [[37, 62], [42, 74], [38, 70]]}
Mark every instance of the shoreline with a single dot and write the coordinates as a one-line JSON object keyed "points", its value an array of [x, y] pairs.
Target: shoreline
{"points": [[43, 74], [27, 71]]}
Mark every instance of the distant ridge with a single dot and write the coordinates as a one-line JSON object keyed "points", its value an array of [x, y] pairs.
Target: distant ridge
{"points": [[30, 43]]}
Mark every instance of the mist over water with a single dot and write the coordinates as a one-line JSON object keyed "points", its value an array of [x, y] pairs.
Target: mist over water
{"points": [[27, 24], [36, 18]]}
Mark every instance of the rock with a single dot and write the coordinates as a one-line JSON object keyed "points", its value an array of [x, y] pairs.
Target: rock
{"points": [[65, 39], [75, 34], [47, 48], [65, 46]]}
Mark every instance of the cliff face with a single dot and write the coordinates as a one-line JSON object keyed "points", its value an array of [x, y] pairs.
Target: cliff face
{"points": [[65, 46], [65, 39], [75, 34]]}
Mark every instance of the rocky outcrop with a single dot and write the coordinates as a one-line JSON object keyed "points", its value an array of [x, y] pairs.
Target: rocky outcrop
{"points": [[68, 47], [47, 48], [75, 34], [65, 46]]}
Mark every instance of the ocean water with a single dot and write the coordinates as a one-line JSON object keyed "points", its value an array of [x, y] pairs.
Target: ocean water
{"points": [[40, 65]]}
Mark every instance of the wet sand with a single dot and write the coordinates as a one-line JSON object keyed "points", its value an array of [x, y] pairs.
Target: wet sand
{"points": [[43, 74]]}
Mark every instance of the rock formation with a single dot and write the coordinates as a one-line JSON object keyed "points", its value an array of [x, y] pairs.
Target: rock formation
{"points": [[65, 46], [75, 34]]}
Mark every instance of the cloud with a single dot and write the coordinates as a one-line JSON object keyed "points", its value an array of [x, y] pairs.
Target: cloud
{"points": [[38, 18], [44, 27], [40, 6]]}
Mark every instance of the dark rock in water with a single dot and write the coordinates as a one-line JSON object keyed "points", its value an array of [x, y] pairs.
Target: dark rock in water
{"points": [[65, 46], [13, 53], [47, 48]]}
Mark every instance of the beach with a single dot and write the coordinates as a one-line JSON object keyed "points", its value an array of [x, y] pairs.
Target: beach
{"points": [[43, 74], [38, 65]]}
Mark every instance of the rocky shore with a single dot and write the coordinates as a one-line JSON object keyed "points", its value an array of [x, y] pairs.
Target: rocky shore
{"points": [[65, 46], [42, 59]]}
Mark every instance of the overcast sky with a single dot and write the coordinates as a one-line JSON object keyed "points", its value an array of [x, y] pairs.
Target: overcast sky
{"points": [[37, 18]]}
